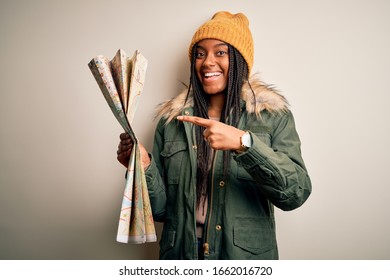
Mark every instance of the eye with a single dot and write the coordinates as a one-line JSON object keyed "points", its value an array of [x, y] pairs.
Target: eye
{"points": [[199, 54], [221, 53]]}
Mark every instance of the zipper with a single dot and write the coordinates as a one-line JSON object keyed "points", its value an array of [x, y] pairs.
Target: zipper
{"points": [[206, 247]]}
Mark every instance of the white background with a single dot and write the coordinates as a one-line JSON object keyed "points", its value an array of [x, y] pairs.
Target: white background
{"points": [[60, 183]]}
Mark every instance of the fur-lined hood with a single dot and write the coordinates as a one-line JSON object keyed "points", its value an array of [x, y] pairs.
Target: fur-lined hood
{"points": [[263, 97]]}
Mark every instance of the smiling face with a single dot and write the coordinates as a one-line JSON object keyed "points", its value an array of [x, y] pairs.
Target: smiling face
{"points": [[212, 65]]}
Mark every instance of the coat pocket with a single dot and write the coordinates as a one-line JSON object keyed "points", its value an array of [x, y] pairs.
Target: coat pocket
{"points": [[254, 234], [173, 153]]}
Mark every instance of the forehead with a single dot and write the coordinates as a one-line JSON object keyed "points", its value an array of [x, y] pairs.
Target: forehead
{"points": [[211, 43]]}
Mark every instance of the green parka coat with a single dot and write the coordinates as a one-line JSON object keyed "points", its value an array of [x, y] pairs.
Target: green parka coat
{"points": [[240, 220]]}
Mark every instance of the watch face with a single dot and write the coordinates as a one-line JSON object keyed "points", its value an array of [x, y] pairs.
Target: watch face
{"points": [[246, 140]]}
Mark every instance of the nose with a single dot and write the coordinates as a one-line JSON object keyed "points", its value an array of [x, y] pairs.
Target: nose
{"points": [[209, 60]]}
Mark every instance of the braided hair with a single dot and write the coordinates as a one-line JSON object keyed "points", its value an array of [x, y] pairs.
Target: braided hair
{"points": [[237, 75]]}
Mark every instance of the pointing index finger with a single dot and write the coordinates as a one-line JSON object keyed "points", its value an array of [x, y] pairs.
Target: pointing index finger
{"points": [[195, 120]]}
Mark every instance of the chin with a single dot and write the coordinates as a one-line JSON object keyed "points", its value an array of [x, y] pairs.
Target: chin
{"points": [[213, 90]]}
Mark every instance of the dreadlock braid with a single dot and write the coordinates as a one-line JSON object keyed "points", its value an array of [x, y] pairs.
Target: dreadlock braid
{"points": [[238, 73]]}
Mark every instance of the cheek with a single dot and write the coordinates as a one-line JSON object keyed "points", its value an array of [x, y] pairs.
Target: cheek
{"points": [[225, 66], [197, 69]]}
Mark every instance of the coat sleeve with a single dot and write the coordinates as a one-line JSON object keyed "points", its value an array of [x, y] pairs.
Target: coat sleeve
{"points": [[154, 180], [279, 170]]}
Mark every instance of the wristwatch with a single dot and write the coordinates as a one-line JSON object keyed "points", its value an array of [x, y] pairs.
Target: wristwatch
{"points": [[246, 140]]}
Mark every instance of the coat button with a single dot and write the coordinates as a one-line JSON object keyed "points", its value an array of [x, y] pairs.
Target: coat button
{"points": [[222, 184], [218, 227]]}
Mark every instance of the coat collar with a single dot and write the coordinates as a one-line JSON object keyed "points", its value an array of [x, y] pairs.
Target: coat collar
{"points": [[256, 96]]}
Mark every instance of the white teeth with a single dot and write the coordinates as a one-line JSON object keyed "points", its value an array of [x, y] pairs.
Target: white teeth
{"points": [[211, 74]]}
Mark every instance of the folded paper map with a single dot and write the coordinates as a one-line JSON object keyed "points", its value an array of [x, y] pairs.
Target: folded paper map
{"points": [[121, 81]]}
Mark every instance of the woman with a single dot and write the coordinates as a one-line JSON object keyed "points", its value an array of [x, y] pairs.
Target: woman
{"points": [[226, 152]]}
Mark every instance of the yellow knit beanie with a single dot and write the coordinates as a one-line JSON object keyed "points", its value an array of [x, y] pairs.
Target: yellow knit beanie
{"points": [[230, 28]]}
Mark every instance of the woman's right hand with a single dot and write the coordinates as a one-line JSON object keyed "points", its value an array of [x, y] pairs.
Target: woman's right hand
{"points": [[124, 149]]}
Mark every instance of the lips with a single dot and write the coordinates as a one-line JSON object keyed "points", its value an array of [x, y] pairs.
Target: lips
{"points": [[211, 74], [212, 80]]}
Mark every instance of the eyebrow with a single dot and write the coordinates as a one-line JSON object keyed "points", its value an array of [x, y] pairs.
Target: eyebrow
{"points": [[216, 45]]}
